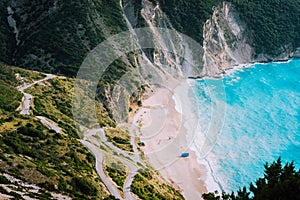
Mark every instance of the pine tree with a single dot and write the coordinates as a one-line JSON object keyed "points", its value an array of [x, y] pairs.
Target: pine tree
{"points": [[278, 183]]}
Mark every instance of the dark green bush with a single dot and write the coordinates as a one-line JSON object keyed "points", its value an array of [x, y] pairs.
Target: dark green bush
{"points": [[4, 180], [83, 186], [120, 140]]}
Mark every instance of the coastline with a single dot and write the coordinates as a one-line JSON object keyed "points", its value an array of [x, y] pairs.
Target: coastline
{"points": [[167, 126], [212, 180]]}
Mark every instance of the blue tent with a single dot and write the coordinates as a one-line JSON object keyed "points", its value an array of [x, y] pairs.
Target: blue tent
{"points": [[185, 155]]}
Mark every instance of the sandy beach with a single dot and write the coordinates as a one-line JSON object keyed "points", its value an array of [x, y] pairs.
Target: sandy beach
{"points": [[162, 127]]}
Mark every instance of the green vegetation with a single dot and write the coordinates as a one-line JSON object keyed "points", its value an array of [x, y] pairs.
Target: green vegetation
{"points": [[12, 75], [53, 36], [10, 98], [7, 38], [272, 23], [140, 21], [4, 180], [117, 172], [82, 185], [110, 78], [55, 161], [119, 138], [34, 154], [279, 182], [189, 17], [118, 176], [146, 186], [54, 101]]}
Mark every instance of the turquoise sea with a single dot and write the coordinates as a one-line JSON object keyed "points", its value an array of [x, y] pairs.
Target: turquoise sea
{"points": [[261, 120]]}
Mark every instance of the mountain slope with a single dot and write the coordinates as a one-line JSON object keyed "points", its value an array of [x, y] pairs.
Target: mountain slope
{"points": [[57, 163], [55, 36], [272, 26], [52, 37]]}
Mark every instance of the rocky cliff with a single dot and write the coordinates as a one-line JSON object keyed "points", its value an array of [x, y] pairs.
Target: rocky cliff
{"points": [[50, 36], [172, 52], [226, 41], [238, 32], [57, 35]]}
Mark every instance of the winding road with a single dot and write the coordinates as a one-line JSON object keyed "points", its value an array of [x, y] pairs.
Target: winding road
{"points": [[28, 97], [123, 156], [92, 144], [99, 168], [49, 124]]}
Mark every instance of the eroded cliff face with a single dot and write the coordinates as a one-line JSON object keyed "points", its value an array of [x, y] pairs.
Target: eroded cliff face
{"points": [[170, 58], [173, 53], [226, 41]]}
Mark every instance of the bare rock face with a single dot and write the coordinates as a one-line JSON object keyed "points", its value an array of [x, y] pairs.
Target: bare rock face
{"points": [[175, 55], [173, 52], [164, 58], [296, 54], [226, 41]]}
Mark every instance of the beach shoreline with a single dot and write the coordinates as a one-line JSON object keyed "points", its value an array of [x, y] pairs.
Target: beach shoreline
{"points": [[167, 126]]}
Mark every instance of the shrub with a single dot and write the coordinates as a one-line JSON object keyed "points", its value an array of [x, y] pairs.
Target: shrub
{"points": [[4, 180], [83, 186]]}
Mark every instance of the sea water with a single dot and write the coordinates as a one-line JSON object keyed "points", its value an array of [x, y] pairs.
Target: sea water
{"points": [[259, 122]]}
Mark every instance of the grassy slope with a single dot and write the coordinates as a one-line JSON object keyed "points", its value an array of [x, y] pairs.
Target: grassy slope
{"points": [[8, 75], [147, 186], [54, 101], [119, 138], [38, 155], [35, 154]]}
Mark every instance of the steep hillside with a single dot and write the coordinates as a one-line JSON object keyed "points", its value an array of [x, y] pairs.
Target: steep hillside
{"points": [[55, 36], [7, 39], [41, 162], [189, 17], [272, 26], [50, 36], [37, 157]]}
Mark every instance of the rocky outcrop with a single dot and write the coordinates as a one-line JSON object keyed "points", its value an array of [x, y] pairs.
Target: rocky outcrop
{"points": [[172, 53], [296, 53], [226, 41]]}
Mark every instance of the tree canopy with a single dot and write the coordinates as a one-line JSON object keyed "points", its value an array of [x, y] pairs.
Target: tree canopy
{"points": [[279, 183]]}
